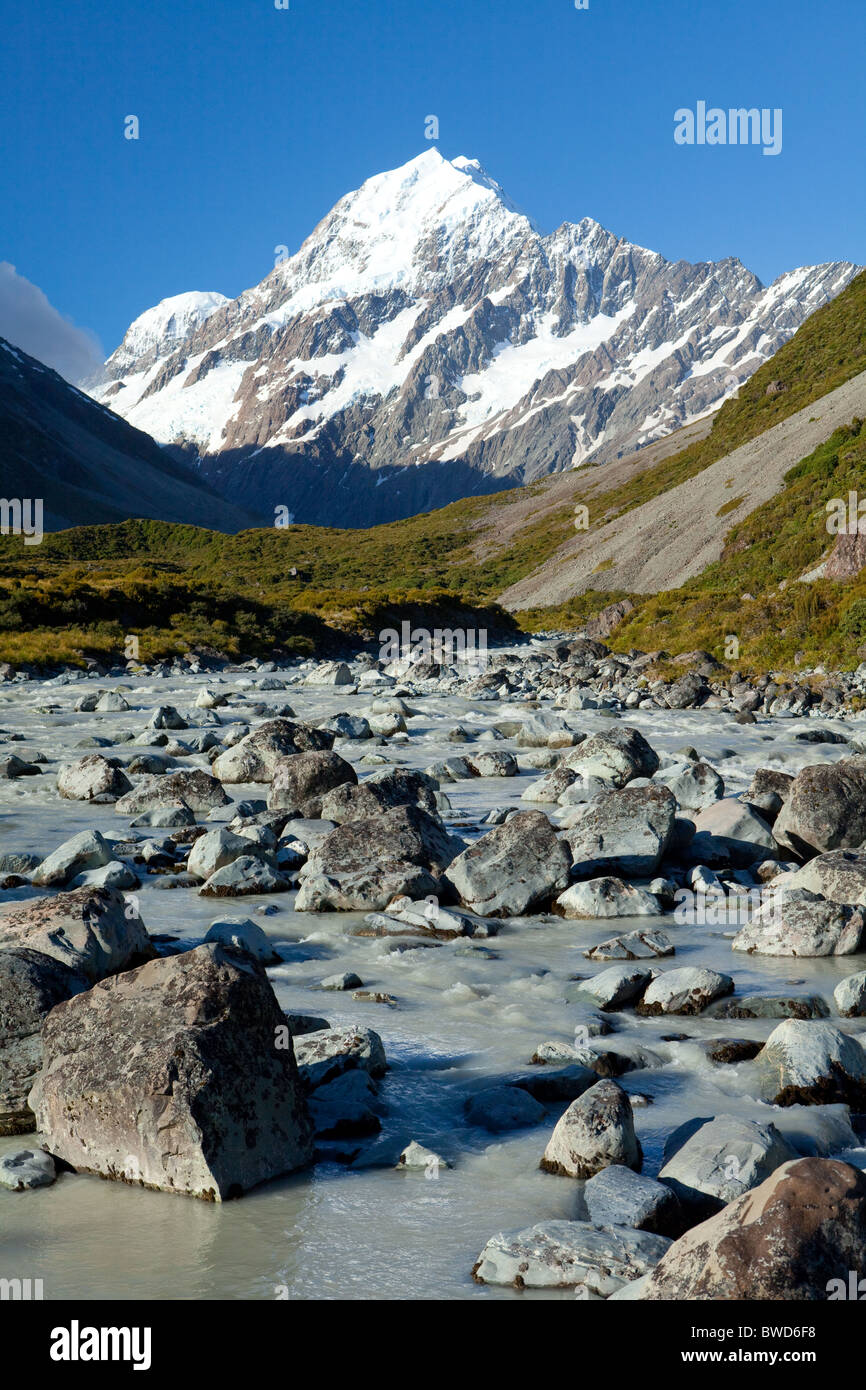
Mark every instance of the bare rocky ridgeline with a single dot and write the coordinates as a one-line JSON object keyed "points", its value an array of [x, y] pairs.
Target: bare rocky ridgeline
{"points": [[405, 852]]}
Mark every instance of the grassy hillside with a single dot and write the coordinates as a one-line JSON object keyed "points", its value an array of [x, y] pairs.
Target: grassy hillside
{"points": [[82, 591], [824, 621]]}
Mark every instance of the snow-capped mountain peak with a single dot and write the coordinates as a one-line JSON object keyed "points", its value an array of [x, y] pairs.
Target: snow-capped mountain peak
{"points": [[427, 341], [168, 323]]}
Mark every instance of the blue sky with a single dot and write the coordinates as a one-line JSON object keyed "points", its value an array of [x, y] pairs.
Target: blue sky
{"points": [[254, 121]]}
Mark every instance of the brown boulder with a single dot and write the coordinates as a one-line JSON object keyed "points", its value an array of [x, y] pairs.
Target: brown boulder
{"points": [[787, 1240]]}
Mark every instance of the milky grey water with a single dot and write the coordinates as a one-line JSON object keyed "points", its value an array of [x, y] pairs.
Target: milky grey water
{"points": [[463, 1019]]}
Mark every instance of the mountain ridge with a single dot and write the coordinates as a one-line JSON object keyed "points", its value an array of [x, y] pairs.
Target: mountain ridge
{"points": [[427, 342], [85, 463]]}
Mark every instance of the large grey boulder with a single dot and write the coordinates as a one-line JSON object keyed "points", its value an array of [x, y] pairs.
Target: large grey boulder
{"points": [[347, 1107], [839, 875], [618, 1196], [502, 1108], [768, 791], [95, 931], [606, 897], [381, 792], [634, 945], [616, 756], [617, 987], [548, 789], [255, 757], [721, 1160], [850, 995], [169, 1076], [623, 832], [327, 1053], [243, 935], [31, 983], [685, 991], [730, 832], [303, 776], [569, 1255], [330, 673], [769, 1006], [12, 767], [217, 848], [246, 875], [695, 786], [792, 1239], [800, 924], [811, 1063], [596, 1130], [494, 763], [86, 850], [825, 809], [26, 1169], [196, 790], [363, 864], [513, 869], [92, 778]]}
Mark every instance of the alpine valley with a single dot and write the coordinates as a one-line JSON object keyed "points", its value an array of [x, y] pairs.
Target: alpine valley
{"points": [[428, 343]]}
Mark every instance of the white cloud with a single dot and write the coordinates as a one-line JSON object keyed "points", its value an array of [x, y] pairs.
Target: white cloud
{"points": [[29, 321]]}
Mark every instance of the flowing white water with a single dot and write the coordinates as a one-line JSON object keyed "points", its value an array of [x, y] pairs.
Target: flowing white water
{"points": [[464, 1019]]}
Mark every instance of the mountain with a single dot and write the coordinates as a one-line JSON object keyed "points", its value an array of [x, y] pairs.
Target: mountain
{"points": [[718, 529], [427, 342], [85, 463]]}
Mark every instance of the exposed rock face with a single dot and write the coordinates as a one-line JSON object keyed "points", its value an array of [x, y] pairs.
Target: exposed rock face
{"points": [[787, 1240], [596, 1130], [94, 931], [847, 557], [603, 623], [515, 867], [170, 1076], [30, 985], [623, 832], [567, 1255], [255, 757], [431, 269], [825, 809], [92, 778], [807, 1063], [306, 775], [362, 865], [721, 1160]]}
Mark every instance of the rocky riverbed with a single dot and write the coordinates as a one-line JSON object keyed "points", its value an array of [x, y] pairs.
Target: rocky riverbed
{"points": [[441, 972]]}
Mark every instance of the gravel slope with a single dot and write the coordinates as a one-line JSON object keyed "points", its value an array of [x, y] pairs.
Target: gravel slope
{"points": [[672, 538]]}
